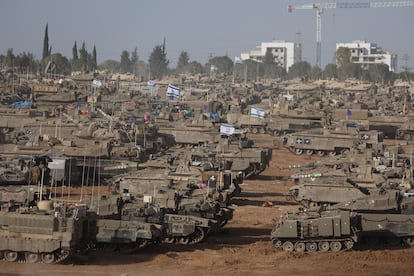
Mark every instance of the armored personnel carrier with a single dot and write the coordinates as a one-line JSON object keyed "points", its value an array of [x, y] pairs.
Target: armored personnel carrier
{"points": [[326, 190], [388, 214], [47, 235], [332, 142]]}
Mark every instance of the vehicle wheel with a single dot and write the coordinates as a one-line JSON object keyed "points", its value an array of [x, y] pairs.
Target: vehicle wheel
{"points": [[309, 152], [275, 133], [288, 246], [262, 131], [320, 153], [168, 240], [345, 151], [255, 130], [48, 258], [31, 257], [298, 151], [336, 246], [300, 247], [332, 153], [349, 244], [197, 236], [407, 137], [11, 256], [324, 246], [183, 240], [311, 246], [409, 241], [277, 243]]}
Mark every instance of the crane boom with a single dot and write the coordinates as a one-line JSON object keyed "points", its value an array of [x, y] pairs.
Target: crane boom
{"points": [[320, 7]]}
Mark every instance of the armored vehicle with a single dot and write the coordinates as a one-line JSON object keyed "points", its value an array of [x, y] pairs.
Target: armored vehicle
{"points": [[388, 214], [406, 130], [126, 236], [47, 235], [281, 125], [325, 141], [326, 190]]}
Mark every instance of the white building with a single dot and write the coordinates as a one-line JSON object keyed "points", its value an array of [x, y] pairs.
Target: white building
{"points": [[285, 53], [366, 53]]}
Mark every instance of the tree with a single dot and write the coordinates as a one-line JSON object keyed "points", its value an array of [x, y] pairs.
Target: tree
{"points": [[350, 70], [195, 67], [315, 73], [271, 68], [110, 65], [379, 73], [330, 71], [125, 63], [182, 64], [75, 51], [10, 58], [25, 62], [158, 61], [46, 50], [343, 56], [94, 62], [61, 64], [83, 57], [300, 69], [134, 60], [224, 64]]}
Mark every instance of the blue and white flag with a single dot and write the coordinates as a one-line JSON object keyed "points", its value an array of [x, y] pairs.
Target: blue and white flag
{"points": [[96, 83], [173, 91], [213, 68], [227, 129], [151, 83], [257, 112], [238, 60]]}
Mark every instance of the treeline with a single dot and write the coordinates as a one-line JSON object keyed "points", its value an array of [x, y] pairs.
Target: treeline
{"points": [[157, 65]]}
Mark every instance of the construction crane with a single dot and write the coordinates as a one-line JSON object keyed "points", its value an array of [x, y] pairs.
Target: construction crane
{"points": [[320, 7]]}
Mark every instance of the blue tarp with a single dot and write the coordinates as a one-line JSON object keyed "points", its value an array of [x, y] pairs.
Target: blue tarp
{"points": [[20, 104]]}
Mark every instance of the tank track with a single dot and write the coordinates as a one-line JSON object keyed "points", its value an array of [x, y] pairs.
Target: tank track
{"points": [[47, 258], [196, 237], [314, 245]]}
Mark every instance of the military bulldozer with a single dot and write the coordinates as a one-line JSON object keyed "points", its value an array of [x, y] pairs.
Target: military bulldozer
{"points": [[386, 214]]}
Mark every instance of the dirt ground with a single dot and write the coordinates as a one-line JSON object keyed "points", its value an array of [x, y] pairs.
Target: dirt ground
{"points": [[243, 248]]}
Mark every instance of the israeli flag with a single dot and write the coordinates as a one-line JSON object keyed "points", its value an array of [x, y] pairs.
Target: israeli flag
{"points": [[257, 112], [227, 129], [151, 83], [238, 60], [213, 68], [96, 83], [173, 91]]}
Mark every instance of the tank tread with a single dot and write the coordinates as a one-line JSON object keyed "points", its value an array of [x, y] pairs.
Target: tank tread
{"points": [[197, 236], [47, 257], [314, 245]]}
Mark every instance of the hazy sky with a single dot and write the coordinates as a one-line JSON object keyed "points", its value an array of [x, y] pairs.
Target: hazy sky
{"points": [[202, 28]]}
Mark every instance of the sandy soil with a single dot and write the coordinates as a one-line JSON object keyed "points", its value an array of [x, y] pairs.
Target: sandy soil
{"points": [[243, 248]]}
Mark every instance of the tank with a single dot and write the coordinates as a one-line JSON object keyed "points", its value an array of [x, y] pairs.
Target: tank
{"points": [[44, 234], [386, 214], [166, 222], [406, 129], [126, 236]]}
